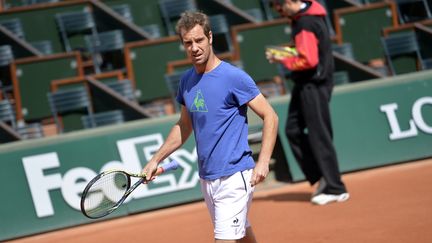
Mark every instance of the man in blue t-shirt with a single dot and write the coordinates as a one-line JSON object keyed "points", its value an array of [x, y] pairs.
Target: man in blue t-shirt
{"points": [[214, 98]]}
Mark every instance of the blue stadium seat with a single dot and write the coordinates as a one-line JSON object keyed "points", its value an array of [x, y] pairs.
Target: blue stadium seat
{"points": [[400, 45], [69, 101], [103, 43], [172, 9], [75, 23], [103, 119]]}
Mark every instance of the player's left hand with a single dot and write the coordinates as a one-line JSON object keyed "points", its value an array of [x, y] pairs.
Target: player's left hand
{"points": [[259, 173]]}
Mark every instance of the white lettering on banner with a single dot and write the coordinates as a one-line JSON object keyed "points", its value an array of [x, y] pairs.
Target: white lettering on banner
{"points": [[417, 114], [396, 132], [417, 120], [74, 180], [128, 150], [40, 184]]}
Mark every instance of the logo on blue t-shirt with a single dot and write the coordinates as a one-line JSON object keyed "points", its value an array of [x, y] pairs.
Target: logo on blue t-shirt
{"points": [[199, 103]]}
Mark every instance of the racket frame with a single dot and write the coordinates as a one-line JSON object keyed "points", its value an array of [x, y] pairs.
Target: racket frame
{"points": [[173, 165], [128, 191]]}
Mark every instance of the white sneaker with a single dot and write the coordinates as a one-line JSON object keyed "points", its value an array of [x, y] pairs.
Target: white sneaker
{"points": [[323, 199]]}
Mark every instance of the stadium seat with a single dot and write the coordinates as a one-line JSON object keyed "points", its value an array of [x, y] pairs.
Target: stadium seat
{"points": [[30, 131], [427, 63], [67, 101], [271, 88], [103, 45], [124, 11], [103, 119], [270, 13], [156, 108], [412, 10], [6, 58], [172, 9], [423, 34], [220, 29], [44, 46], [26, 131], [123, 87], [6, 55], [15, 26], [153, 30], [42, 1], [399, 46], [256, 13], [344, 49], [75, 23], [7, 113], [340, 77], [251, 7]]}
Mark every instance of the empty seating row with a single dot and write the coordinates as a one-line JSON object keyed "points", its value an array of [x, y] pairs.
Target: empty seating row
{"points": [[25, 131], [77, 100], [403, 53], [109, 49]]}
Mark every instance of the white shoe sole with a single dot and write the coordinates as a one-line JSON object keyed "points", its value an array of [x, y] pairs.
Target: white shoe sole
{"points": [[323, 199]]}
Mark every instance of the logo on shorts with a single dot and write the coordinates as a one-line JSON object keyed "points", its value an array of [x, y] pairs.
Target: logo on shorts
{"points": [[235, 221], [235, 225]]}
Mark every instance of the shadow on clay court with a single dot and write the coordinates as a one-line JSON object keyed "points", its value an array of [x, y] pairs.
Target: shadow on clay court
{"points": [[287, 197]]}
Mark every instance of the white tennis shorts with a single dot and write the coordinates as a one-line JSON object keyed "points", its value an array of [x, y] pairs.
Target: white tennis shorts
{"points": [[228, 200]]}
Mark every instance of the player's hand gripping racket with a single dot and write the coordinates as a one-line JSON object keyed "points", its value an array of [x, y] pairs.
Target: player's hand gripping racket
{"points": [[108, 190]]}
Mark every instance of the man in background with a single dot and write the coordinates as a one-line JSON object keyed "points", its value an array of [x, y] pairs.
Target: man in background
{"points": [[308, 125]]}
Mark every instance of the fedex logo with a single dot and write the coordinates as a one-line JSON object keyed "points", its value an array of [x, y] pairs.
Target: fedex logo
{"points": [[73, 181]]}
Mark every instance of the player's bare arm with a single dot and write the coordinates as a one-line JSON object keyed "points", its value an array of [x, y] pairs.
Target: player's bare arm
{"points": [[177, 137], [270, 125]]}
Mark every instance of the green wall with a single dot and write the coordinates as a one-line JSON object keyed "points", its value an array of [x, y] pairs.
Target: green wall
{"points": [[376, 123], [58, 169]]}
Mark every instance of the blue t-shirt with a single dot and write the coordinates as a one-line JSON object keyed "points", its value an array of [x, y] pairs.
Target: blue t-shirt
{"points": [[217, 105]]}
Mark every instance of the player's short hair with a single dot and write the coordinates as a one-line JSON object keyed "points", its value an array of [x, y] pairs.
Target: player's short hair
{"points": [[189, 19]]}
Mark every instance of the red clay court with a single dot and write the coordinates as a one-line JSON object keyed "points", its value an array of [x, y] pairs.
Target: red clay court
{"points": [[388, 204]]}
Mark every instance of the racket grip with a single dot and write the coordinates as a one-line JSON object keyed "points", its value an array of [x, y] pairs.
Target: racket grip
{"points": [[173, 165]]}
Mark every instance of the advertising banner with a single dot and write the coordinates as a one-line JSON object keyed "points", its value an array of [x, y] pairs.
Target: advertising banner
{"points": [[42, 181], [375, 123]]}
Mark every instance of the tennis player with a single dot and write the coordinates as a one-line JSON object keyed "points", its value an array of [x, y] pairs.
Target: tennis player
{"points": [[214, 98]]}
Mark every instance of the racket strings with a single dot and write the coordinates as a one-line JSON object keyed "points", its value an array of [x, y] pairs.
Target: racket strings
{"points": [[105, 193]]}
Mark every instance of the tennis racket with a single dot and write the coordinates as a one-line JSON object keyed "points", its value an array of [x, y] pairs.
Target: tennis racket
{"points": [[108, 190]]}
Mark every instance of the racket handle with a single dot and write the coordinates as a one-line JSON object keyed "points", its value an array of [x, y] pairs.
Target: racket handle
{"points": [[173, 165]]}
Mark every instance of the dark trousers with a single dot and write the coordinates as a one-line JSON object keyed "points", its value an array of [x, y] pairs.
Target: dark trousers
{"points": [[310, 135]]}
